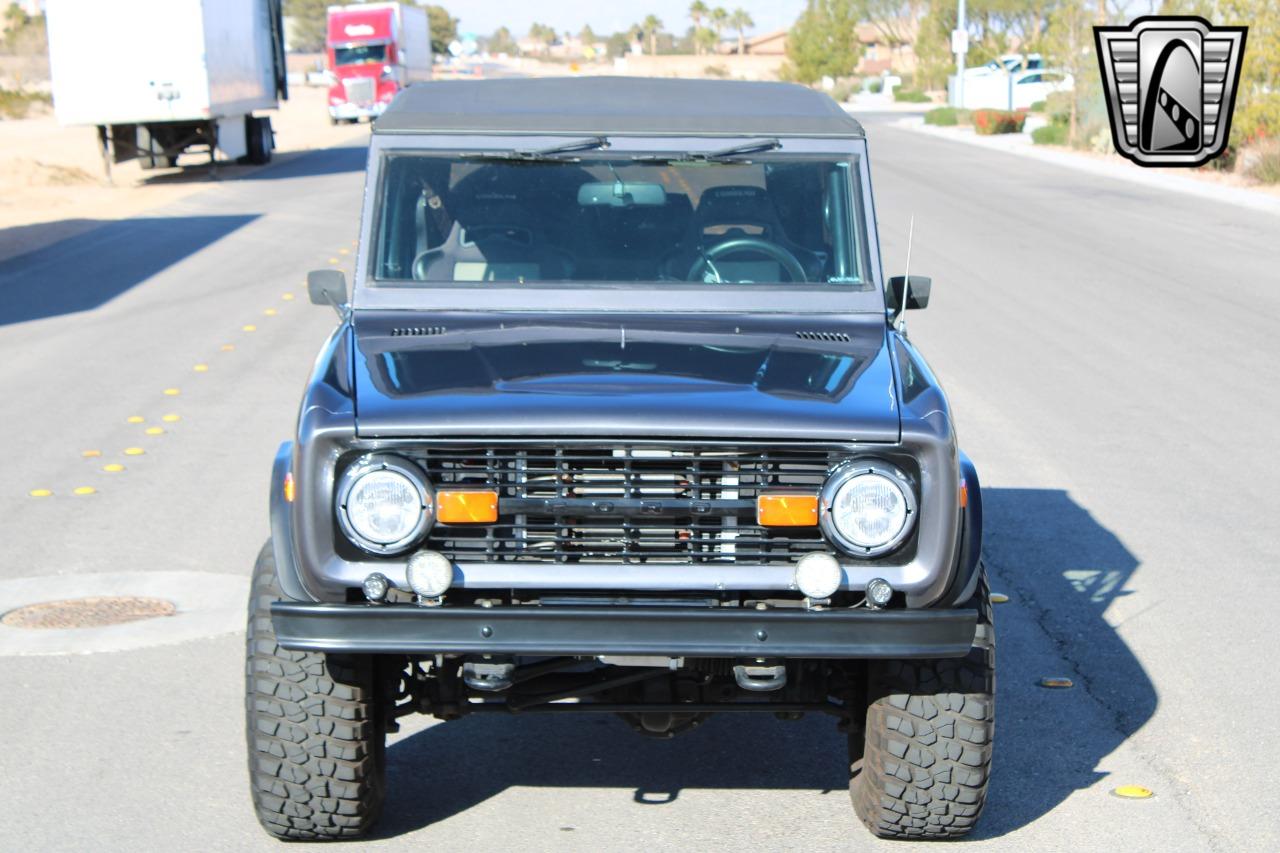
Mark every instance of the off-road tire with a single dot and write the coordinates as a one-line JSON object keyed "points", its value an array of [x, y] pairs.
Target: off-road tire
{"points": [[922, 768], [316, 741]]}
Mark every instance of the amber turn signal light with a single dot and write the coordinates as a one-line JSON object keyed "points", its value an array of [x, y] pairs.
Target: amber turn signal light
{"points": [[289, 489], [787, 510], [471, 507]]}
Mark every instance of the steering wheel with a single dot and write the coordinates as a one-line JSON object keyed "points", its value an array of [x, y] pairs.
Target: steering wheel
{"points": [[707, 258]]}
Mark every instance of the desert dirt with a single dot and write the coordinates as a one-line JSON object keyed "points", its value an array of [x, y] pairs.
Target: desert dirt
{"points": [[53, 186]]}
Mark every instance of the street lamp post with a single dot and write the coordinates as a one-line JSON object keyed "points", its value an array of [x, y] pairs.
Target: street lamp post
{"points": [[960, 46]]}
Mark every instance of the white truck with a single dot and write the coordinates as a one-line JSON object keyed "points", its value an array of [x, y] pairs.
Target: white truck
{"points": [[161, 77]]}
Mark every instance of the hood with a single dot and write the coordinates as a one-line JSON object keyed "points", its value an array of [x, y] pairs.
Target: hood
{"points": [[723, 376]]}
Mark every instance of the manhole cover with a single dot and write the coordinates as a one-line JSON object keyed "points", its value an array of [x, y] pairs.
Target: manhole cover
{"points": [[94, 612]]}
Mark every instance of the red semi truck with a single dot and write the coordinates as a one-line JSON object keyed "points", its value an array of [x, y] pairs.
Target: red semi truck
{"points": [[373, 51]]}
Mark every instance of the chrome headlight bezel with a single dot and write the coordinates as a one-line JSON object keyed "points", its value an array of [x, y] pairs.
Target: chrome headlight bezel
{"points": [[368, 464], [845, 474]]}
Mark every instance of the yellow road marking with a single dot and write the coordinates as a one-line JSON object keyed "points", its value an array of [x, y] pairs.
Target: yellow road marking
{"points": [[85, 490], [134, 451], [171, 419], [112, 467], [155, 430], [135, 419], [228, 347], [248, 328], [40, 493], [201, 368], [333, 260], [270, 312], [286, 296], [89, 454], [344, 251], [171, 392], [1133, 792]]}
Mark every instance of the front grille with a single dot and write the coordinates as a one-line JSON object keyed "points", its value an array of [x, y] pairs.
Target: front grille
{"points": [[627, 503], [359, 90]]}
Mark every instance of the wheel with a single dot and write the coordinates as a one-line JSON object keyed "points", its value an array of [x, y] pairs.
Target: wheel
{"points": [[922, 763], [316, 737], [258, 139]]}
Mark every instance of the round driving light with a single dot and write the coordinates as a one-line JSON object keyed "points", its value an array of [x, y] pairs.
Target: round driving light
{"points": [[878, 592], [376, 587], [384, 504], [868, 508], [818, 575], [430, 574]]}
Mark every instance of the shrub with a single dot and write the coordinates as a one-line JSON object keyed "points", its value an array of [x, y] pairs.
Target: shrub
{"points": [[721, 71], [1038, 107], [846, 89], [988, 122], [942, 117], [1050, 134], [910, 96], [1265, 165], [15, 103], [875, 86]]}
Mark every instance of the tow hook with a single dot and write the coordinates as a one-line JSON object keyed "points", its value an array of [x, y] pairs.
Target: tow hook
{"points": [[760, 677]]}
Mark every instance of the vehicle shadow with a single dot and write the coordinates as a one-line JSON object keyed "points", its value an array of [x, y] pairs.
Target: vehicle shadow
{"points": [[285, 166], [1060, 568], [99, 261]]}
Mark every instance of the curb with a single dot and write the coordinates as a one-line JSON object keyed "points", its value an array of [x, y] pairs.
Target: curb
{"points": [[1118, 171]]}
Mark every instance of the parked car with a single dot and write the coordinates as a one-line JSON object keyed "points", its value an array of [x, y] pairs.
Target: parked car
{"points": [[1007, 63], [621, 417], [1017, 91]]}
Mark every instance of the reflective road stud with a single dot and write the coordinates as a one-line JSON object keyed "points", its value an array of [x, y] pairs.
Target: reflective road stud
{"points": [[228, 347], [135, 419], [287, 296], [249, 328], [270, 312], [89, 454], [85, 490], [40, 493], [171, 392], [201, 368], [1133, 792], [134, 451], [170, 419], [113, 467], [999, 598], [155, 430], [1057, 683]]}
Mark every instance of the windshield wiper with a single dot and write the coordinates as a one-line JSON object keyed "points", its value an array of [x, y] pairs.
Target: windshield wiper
{"points": [[589, 144], [724, 155]]}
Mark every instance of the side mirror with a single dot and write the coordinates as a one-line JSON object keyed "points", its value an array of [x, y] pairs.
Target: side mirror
{"points": [[329, 287], [917, 294]]}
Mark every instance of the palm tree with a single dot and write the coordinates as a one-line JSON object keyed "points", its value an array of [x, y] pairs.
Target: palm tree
{"points": [[719, 18], [651, 26], [697, 11], [741, 21]]}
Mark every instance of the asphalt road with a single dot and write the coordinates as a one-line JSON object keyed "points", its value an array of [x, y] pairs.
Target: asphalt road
{"points": [[1111, 354]]}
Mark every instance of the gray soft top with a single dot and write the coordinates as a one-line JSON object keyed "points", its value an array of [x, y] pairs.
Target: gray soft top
{"points": [[616, 105]]}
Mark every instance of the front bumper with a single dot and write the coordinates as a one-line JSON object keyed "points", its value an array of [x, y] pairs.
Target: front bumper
{"points": [[357, 111], [624, 630]]}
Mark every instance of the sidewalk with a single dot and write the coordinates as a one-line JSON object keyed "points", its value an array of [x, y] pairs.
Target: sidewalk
{"points": [[1165, 179]]}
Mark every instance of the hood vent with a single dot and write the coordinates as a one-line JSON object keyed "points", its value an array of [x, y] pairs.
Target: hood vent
{"points": [[417, 331], [829, 337]]}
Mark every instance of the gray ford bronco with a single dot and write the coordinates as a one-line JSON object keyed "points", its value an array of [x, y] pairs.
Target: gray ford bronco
{"points": [[620, 417]]}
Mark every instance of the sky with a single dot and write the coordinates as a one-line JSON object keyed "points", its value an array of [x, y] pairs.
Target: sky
{"points": [[482, 17]]}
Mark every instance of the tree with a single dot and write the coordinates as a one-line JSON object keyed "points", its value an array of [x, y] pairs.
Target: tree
{"points": [[719, 20], [651, 26], [587, 35], [1069, 45], [697, 11], [741, 21], [310, 20], [823, 42], [502, 42], [444, 29]]}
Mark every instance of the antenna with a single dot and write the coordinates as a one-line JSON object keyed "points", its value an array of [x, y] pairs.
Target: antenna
{"points": [[900, 319]]}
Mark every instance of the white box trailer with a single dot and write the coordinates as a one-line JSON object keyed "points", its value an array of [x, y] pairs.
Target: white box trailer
{"points": [[158, 77]]}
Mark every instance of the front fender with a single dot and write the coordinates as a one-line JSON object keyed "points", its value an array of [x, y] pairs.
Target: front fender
{"points": [[282, 528], [968, 565]]}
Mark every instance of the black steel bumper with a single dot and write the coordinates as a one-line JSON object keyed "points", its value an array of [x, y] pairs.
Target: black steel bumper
{"points": [[675, 631]]}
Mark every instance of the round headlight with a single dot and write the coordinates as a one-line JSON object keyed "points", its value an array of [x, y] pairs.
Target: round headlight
{"points": [[384, 505], [868, 508]]}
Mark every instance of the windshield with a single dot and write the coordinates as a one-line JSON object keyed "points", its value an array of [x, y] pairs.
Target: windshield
{"points": [[360, 54], [795, 220]]}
